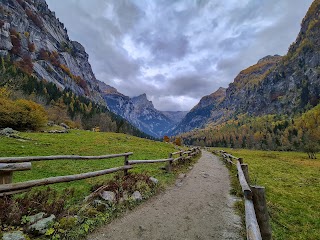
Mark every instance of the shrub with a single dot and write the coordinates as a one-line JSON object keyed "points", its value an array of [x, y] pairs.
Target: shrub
{"points": [[31, 47], [15, 40], [21, 114], [54, 59], [37, 21], [43, 54], [26, 64]]}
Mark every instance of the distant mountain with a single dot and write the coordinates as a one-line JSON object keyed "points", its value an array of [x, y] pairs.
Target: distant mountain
{"points": [[137, 110], [200, 114], [275, 85], [175, 117]]}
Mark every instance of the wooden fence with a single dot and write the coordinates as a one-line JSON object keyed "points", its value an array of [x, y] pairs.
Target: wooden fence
{"points": [[256, 213], [8, 165]]}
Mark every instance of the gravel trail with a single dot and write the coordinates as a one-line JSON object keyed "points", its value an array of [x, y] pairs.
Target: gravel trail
{"points": [[199, 206]]}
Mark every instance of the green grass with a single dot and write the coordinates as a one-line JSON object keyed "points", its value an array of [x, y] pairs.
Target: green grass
{"points": [[84, 143], [292, 184]]}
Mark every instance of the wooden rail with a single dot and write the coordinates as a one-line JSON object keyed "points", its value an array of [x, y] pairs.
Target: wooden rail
{"points": [[5, 189], [131, 162], [59, 157], [183, 155], [256, 213], [8, 165]]}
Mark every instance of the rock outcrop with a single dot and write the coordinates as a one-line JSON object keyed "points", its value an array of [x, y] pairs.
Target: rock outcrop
{"points": [[31, 33]]}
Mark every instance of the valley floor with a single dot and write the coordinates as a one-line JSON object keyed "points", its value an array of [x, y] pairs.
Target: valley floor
{"points": [[199, 206]]}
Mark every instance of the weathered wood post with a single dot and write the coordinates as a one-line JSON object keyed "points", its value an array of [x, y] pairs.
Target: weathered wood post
{"points": [[181, 157], [260, 207], [5, 177], [126, 162], [7, 169], [169, 165], [245, 170]]}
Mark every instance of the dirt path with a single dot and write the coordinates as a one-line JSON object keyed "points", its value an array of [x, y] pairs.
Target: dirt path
{"points": [[197, 207]]}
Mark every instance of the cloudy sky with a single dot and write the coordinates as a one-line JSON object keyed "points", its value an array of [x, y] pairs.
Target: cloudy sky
{"points": [[178, 51]]}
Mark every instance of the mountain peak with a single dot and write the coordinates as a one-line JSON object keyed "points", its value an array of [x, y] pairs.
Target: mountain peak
{"points": [[142, 101], [270, 58], [107, 89]]}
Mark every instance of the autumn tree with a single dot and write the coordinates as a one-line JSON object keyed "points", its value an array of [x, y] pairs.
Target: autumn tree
{"points": [[166, 139], [178, 141]]}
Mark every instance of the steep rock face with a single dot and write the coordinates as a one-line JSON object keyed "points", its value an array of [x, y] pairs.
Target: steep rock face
{"points": [[137, 110], [275, 85], [199, 115], [292, 84], [148, 118], [175, 116], [29, 31]]}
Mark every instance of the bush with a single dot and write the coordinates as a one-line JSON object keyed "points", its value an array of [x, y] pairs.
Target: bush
{"points": [[21, 114], [26, 64], [16, 42]]}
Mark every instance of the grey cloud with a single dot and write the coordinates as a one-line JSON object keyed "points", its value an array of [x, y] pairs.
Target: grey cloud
{"points": [[190, 47]]}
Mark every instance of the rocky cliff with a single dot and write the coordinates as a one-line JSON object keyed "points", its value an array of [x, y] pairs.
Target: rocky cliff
{"points": [[275, 85], [137, 110], [37, 41], [200, 114]]}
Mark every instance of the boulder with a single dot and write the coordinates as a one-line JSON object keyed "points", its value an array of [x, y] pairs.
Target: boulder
{"points": [[181, 176], [154, 180], [108, 196], [41, 226], [7, 131], [136, 196], [36, 217], [16, 235]]}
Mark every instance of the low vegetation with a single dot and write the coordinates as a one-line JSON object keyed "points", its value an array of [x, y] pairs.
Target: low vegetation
{"points": [[292, 182], [65, 200]]}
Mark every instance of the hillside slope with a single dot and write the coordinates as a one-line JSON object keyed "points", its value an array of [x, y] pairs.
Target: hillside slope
{"points": [[39, 62], [38, 42], [275, 85]]}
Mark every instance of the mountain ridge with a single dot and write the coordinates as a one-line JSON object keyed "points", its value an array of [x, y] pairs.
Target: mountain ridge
{"points": [[139, 111], [275, 85]]}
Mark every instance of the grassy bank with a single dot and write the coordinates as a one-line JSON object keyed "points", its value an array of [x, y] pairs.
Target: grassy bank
{"points": [[66, 199], [83, 143], [292, 184]]}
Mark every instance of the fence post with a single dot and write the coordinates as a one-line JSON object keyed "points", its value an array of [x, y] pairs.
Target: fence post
{"points": [[126, 162], [5, 177], [260, 207], [169, 165], [181, 157], [245, 170]]}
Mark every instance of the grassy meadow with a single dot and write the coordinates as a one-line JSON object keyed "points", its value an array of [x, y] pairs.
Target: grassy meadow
{"points": [[80, 142], [292, 182]]}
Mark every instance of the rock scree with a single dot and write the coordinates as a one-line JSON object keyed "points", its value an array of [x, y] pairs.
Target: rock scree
{"points": [[198, 208]]}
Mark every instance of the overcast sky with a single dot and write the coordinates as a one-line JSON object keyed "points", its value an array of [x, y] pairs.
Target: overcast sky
{"points": [[178, 51]]}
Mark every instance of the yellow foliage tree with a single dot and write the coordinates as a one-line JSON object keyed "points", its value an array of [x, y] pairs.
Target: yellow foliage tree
{"points": [[21, 114]]}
